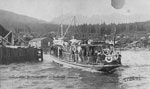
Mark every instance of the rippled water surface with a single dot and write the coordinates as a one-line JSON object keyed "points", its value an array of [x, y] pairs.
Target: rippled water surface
{"points": [[135, 74]]}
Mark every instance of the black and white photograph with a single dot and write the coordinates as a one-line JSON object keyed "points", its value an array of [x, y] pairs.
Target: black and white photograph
{"points": [[74, 44]]}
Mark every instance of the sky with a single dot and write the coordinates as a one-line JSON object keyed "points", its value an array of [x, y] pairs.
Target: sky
{"points": [[49, 9]]}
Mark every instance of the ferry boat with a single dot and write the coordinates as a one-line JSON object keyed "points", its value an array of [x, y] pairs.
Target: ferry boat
{"points": [[95, 55], [99, 57]]}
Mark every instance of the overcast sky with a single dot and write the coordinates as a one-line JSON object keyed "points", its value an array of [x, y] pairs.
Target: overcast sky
{"points": [[48, 9]]}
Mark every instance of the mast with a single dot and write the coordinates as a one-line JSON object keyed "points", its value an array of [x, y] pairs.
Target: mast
{"points": [[74, 19], [62, 30], [114, 36], [69, 26]]}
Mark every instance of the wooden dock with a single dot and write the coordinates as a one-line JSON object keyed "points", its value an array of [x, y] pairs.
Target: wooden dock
{"points": [[16, 55]]}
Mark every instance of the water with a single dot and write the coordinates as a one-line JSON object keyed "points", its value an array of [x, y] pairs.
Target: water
{"points": [[47, 75]]}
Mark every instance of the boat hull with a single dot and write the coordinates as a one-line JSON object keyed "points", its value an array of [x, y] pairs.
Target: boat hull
{"points": [[96, 67]]}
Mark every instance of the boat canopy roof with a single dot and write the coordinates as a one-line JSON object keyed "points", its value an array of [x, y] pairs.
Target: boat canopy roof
{"points": [[97, 43], [74, 41]]}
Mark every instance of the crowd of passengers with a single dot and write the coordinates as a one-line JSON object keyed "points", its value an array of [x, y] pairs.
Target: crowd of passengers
{"points": [[91, 54], [88, 54]]}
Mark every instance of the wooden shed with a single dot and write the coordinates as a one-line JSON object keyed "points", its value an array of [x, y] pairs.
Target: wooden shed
{"points": [[44, 43]]}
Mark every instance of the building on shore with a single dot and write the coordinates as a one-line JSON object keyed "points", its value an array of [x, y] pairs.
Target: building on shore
{"points": [[44, 43]]}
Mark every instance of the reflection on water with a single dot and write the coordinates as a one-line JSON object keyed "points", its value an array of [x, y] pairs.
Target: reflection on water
{"points": [[48, 75]]}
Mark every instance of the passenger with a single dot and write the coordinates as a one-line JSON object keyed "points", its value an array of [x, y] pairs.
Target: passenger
{"points": [[76, 57], [90, 54], [93, 52], [61, 52], [56, 52], [103, 55], [51, 49], [69, 45], [76, 53], [96, 52], [65, 44], [83, 54], [79, 51], [119, 57], [72, 54], [98, 60]]}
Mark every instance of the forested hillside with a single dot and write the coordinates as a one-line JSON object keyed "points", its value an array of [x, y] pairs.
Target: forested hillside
{"points": [[21, 23], [24, 24], [138, 28]]}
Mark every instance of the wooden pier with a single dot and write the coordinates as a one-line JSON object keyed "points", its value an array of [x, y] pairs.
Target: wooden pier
{"points": [[16, 55]]}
